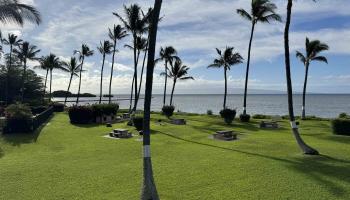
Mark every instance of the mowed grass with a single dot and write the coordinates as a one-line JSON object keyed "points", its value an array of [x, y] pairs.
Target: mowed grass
{"points": [[64, 161]]}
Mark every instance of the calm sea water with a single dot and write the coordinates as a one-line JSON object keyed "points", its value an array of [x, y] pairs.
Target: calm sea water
{"points": [[322, 105]]}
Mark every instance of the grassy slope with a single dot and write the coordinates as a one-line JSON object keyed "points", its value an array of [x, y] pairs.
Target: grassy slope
{"points": [[64, 161]]}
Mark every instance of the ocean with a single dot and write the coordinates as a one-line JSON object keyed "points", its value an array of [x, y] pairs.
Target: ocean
{"points": [[321, 105]]}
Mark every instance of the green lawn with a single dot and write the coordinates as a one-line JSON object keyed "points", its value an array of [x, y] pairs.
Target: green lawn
{"points": [[64, 161]]}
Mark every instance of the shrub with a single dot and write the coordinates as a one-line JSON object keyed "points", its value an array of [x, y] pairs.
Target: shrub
{"points": [[19, 118], [228, 115], [58, 107], [341, 126], [105, 109], [261, 117], [138, 122], [209, 112], [244, 117], [344, 116], [168, 110], [81, 114]]}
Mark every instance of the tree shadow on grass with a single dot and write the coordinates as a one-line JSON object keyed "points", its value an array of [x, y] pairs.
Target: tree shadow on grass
{"points": [[17, 139], [318, 168], [1, 152]]}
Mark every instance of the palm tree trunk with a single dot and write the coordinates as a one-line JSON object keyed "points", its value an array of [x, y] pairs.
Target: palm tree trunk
{"points": [[225, 95], [143, 67], [304, 147], [172, 93], [111, 78], [149, 190], [165, 81], [8, 77], [23, 77], [70, 81], [132, 93], [136, 60], [81, 69], [50, 85], [103, 64], [304, 90], [247, 72], [47, 72]]}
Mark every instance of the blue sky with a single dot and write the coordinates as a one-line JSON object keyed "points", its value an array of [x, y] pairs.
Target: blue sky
{"points": [[195, 28]]}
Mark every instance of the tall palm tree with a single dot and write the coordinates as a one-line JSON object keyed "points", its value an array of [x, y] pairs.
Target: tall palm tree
{"points": [[178, 71], [115, 34], [136, 25], [73, 68], [167, 54], [149, 190], [304, 147], [313, 49], [84, 52], [261, 11], [105, 48], [14, 11], [44, 65], [225, 60], [26, 52], [12, 41], [143, 47]]}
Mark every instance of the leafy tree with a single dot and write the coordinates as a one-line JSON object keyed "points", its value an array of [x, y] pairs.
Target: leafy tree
{"points": [[12, 41], [73, 68], [225, 60], [313, 49], [262, 11], [26, 52], [304, 147], [115, 34], [149, 190], [105, 48], [177, 72], [84, 52], [167, 54]]}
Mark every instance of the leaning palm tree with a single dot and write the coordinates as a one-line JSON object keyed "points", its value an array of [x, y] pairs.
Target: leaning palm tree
{"points": [[167, 54], [313, 49], [44, 65], [12, 41], [178, 71], [115, 34], [12, 11], [73, 68], [149, 190], [261, 11], [84, 52], [304, 147], [26, 52], [225, 60], [105, 48], [136, 25]]}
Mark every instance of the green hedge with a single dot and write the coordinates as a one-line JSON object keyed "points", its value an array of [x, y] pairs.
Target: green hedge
{"points": [[341, 126]]}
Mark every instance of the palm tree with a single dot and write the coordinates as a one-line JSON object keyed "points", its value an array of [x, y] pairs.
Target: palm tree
{"points": [[178, 71], [12, 41], [136, 25], [105, 48], [143, 47], [73, 68], [44, 65], [304, 147], [115, 34], [84, 52], [26, 52], [226, 59], [13, 11], [167, 54], [149, 190], [313, 49], [261, 11]]}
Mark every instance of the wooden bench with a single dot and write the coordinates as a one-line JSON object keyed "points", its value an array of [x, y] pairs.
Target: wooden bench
{"points": [[120, 133], [271, 124], [178, 121]]}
